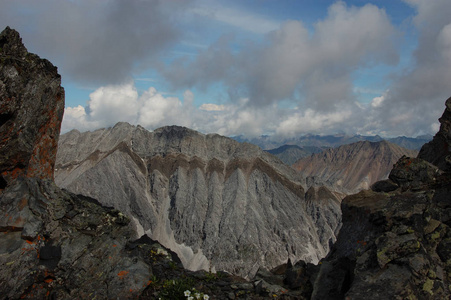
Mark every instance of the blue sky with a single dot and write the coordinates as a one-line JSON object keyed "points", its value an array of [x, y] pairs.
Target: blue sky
{"points": [[251, 67]]}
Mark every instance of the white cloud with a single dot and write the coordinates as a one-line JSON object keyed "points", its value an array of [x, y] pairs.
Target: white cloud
{"points": [[378, 101], [292, 61], [417, 95], [212, 107], [311, 121], [114, 102], [236, 17], [155, 108]]}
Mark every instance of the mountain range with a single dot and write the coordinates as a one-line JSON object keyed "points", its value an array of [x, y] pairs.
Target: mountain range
{"points": [[331, 141], [392, 242], [353, 167], [215, 202]]}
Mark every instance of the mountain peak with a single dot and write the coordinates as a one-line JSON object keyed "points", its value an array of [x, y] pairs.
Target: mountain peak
{"points": [[11, 44]]}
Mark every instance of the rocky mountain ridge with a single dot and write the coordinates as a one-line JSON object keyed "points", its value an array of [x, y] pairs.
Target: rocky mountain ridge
{"points": [[332, 141], [217, 203], [353, 167]]}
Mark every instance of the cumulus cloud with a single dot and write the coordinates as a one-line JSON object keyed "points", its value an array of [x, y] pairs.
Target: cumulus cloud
{"points": [[111, 104], [417, 95], [212, 107], [310, 121], [293, 61], [235, 17], [95, 42], [122, 103]]}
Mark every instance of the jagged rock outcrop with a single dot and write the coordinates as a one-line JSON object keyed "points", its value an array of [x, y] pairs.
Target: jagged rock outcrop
{"points": [[31, 110], [217, 203], [351, 168], [395, 239], [438, 151], [52, 244]]}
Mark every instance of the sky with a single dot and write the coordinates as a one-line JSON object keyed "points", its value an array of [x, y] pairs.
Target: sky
{"points": [[246, 67]]}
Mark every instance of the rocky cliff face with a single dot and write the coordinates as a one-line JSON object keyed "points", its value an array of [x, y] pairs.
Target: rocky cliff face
{"points": [[217, 203], [395, 240], [31, 111], [438, 151], [52, 243], [351, 168]]}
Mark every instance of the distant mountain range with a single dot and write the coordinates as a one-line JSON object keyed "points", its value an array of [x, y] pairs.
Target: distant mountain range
{"points": [[353, 167], [289, 154], [331, 141]]}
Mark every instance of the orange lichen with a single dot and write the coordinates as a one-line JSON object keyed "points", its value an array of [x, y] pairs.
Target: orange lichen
{"points": [[23, 203], [122, 274]]}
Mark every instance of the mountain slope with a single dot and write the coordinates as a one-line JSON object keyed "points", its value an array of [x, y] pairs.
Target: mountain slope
{"points": [[217, 203], [351, 168], [289, 154]]}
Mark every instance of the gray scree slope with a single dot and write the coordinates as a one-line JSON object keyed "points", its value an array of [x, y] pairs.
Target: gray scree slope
{"points": [[217, 203]]}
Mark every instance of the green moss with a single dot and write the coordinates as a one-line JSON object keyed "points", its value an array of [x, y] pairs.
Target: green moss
{"points": [[435, 235], [428, 286]]}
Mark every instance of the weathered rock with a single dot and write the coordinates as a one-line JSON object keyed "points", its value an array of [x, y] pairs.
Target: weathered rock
{"points": [[438, 151], [217, 203], [384, 186], [413, 173], [54, 244], [31, 110]]}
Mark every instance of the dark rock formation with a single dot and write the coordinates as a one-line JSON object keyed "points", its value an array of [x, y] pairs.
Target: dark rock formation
{"points": [[52, 243], [350, 168], [217, 203], [438, 151], [31, 110]]}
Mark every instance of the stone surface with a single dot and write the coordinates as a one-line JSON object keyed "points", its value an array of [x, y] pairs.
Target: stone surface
{"points": [[438, 151], [351, 168], [29, 123], [53, 244], [217, 203]]}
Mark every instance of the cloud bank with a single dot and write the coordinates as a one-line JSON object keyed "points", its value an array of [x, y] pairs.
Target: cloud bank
{"points": [[294, 79], [291, 61], [95, 42]]}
